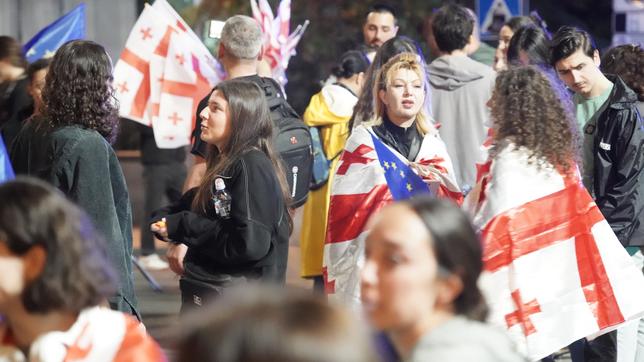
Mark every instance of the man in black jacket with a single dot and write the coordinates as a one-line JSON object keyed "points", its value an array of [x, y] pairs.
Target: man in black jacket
{"points": [[613, 150]]}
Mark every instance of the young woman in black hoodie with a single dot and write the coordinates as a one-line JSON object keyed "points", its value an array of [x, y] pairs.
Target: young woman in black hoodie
{"points": [[250, 240]]}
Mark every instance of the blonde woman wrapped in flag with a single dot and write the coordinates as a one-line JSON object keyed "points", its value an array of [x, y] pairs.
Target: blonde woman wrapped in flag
{"points": [[391, 157], [554, 271]]}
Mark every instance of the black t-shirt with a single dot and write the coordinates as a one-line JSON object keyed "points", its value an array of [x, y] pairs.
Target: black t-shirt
{"points": [[15, 106], [199, 147], [399, 138]]}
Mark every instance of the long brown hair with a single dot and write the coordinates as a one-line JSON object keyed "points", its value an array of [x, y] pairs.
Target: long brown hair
{"points": [[531, 108], [251, 127]]}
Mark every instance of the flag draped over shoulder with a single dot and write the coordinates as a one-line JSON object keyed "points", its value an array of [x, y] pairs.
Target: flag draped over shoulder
{"points": [[99, 335], [70, 26], [6, 171], [554, 271], [369, 176], [279, 42], [162, 74]]}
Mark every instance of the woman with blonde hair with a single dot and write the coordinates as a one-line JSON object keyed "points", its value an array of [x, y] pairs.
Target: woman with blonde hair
{"points": [[381, 161]]}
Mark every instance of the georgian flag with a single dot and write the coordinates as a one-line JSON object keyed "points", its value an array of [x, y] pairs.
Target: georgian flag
{"points": [[554, 270], [363, 183], [162, 74]]}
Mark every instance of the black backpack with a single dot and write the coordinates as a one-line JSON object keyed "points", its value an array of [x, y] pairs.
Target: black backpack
{"points": [[291, 140]]}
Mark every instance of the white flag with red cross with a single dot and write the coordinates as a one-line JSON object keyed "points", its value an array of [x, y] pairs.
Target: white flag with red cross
{"points": [[162, 74], [554, 271]]}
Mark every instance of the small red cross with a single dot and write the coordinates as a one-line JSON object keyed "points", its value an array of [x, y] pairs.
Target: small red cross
{"points": [[123, 87], [175, 118], [180, 58], [523, 313], [146, 33]]}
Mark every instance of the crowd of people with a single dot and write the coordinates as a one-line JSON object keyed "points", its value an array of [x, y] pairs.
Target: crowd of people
{"points": [[446, 179]]}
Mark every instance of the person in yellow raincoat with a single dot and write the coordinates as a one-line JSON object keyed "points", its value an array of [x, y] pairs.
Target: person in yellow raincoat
{"points": [[330, 110]]}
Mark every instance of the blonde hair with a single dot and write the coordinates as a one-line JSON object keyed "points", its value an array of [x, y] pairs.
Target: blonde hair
{"points": [[407, 61]]}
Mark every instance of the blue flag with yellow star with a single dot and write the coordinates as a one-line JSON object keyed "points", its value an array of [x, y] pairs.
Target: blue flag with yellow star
{"points": [[403, 182], [70, 26], [6, 172]]}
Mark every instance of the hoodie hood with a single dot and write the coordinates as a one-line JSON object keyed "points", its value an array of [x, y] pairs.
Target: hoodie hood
{"points": [[452, 72]]}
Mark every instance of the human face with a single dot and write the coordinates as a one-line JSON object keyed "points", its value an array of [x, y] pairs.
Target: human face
{"points": [[35, 89], [379, 28], [12, 281], [215, 121], [580, 72], [505, 35], [404, 96], [399, 281]]}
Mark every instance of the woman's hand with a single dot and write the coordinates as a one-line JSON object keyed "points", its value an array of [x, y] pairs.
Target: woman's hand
{"points": [[160, 228], [175, 255]]}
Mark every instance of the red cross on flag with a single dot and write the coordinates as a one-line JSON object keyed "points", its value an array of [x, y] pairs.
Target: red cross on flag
{"points": [[358, 190], [554, 270], [162, 74]]}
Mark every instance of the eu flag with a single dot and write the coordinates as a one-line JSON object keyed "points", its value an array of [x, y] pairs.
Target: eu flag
{"points": [[6, 172], [403, 182], [70, 26]]}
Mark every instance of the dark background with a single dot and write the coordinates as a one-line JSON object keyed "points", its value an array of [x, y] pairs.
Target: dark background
{"points": [[335, 26]]}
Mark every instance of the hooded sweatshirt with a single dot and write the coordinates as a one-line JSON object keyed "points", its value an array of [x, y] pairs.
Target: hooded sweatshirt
{"points": [[461, 88]]}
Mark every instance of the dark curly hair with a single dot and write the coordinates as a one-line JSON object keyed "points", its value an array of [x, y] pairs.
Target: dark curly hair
{"points": [[531, 108], [78, 89], [626, 61], [76, 273]]}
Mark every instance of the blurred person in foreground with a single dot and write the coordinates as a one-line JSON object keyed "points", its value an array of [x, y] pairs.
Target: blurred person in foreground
{"points": [[54, 282], [419, 285], [266, 325]]}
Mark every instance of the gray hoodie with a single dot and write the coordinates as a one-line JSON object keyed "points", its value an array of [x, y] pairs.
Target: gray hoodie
{"points": [[460, 90], [461, 339]]}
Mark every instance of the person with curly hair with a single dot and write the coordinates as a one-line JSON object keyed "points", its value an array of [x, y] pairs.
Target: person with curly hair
{"points": [[54, 278], [627, 62], [69, 146], [531, 208]]}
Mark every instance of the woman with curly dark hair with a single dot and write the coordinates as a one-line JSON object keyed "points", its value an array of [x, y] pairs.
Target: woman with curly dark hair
{"points": [[69, 146], [540, 228], [54, 278], [627, 62]]}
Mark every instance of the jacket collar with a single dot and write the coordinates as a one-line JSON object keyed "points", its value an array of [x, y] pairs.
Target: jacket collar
{"points": [[621, 97]]}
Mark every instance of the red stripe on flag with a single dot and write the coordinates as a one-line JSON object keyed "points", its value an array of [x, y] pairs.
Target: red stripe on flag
{"points": [[357, 156], [164, 44], [595, 282], [143, 93], [538, 224], [348, 214]]}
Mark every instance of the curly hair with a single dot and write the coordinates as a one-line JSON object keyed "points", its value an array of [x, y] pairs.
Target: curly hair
{"points": [[626, 61], [76, 273], [78, 89], [531, 109]]}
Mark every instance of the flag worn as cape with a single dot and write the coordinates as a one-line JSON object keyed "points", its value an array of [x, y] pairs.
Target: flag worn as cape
{"points": [[369, 176], [554, 271]]}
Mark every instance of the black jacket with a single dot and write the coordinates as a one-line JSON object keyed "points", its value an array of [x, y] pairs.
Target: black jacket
{"points": [[252, 244], [618, 176]]}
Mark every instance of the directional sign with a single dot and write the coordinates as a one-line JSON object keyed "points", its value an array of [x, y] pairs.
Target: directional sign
{"points": [[492, 14]]}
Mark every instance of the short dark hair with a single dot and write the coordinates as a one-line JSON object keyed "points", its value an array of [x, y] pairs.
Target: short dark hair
{"points": [[76, 274], [569, 39], [381, 9], [452, 26], [11, 51], [263, 324], [626, 61], [36, 66], [351, 62], [534, 42], [457, 249]]}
